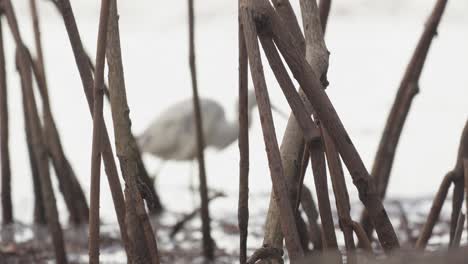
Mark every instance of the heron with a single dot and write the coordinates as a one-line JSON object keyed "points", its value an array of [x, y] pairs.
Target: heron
{"points": [[172, 135]]}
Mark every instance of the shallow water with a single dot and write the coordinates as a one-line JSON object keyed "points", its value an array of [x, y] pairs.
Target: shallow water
{"points": [[370, 44]]}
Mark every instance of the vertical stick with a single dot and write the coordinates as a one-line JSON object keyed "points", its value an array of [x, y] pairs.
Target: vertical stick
{"points": [[88, 84], [340, 190], [458, 231], [98, 121], [40, 154], [408, 89], [74, 197], [243, 209], [292, 145], [465, 170], [37, 140], [280, 186], [208, 249], [142, 237], [317, 160], [457, 203], [324, 10], [7, 207], [312, 86], [39, 208], [310, 209], [433, 216]]}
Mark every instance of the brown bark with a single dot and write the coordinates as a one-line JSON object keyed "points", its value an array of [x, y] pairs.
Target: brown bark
{"points": [[340, 190], [98, 121], [280, 185], [142, 240], [454, 176], [39, 208], [308, 127], [40, 156], [292, 145], [70, 188], [324, 10], [270, 22], [465, 166], [37, 140], [208, 247], [455, 243], [408, 89], [362, 236], [457, 202], [285, 11], [243, 207], [7, 207], [310, 209], [321, 187], [87, 81], [434, 213]]}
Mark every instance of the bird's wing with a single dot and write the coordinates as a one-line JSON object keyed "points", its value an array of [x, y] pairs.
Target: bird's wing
{"points": [[169, 131]]}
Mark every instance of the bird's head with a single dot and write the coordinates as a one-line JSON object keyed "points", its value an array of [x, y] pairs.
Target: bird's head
{"points": [[252, 103]]}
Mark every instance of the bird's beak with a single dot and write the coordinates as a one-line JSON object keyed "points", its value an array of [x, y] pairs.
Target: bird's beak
{"points": [[278, 111]]}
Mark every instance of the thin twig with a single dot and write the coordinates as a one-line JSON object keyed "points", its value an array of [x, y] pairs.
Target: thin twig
{"points": [[361, 234], [465, 166], [317, 160], [324, 8], [340, 190], [243, 207], [302, 172], [457, 203], [280, 186], [88, 84], [7, 206], [310, 209], [140, 231], [458, 231], [98, 121], [408, 89], [325, 111], [69, 186], [208, 247], [435, 211], [292, 145], [181, 223], [39, 148]]}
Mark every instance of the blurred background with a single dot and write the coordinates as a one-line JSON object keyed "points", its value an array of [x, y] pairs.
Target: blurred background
{"points": [[370, 41]]}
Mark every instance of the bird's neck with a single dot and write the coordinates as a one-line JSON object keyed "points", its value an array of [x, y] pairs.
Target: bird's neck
{"points": [[229, 132]]}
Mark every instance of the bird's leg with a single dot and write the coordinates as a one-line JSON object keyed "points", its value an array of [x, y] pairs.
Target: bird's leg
{"points": [[192, 188], [157, 172]]}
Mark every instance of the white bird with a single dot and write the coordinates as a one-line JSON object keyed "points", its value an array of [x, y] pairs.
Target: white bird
{"points": [[172, 135]]}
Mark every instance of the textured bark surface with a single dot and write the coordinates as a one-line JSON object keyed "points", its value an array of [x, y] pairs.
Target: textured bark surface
{"points": [[87, 81], [69, 186], [208, 246], [455, 176], [143, 243], [7, 207], [408, 89], [293, 140], [340, 190], [98, 121], [40, 156], [36, 133], [280, 185], [434, 213], [317, 159], [270, 22], [310, 209], [243, 207]]}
